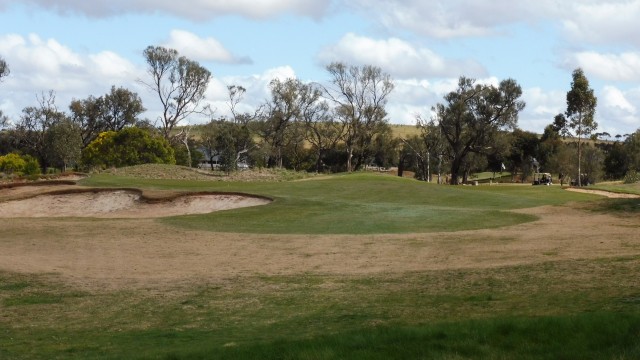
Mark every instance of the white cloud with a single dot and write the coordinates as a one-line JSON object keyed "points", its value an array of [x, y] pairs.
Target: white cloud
{"points": [[191, 9], [40, 65], [583, 21], [542, 106], [616, 111], [201, 49], [445, 19], [604, 21], [257, 90], [612, 67], [109, 65], [397, 57], [46, 64], [614, 98]]}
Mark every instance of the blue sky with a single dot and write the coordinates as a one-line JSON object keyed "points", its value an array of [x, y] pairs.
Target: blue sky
{"points": [[79, 48]]}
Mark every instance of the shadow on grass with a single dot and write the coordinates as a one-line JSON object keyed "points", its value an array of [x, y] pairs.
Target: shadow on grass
{"points": [[585, 336], [600, 335], [619, 206]]}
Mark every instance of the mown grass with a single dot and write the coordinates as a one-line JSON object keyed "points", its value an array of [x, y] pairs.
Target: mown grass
{"points": [[359, 203], [620, 188], [566, 309], [585, 309]]}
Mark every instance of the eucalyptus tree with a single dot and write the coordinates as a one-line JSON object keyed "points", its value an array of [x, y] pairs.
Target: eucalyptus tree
{"points": [[472, 116], [179, 83], [4, 68], [34, 125], [323, 132], [231, 139], [434, 146], [114, 111], [4, 71], [243, 123], [64, 144], [359, 94], [581, 108], [283, 125], [121, 108]]}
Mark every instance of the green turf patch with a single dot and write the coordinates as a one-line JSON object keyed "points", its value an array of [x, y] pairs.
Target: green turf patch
{"points": [[359, 203], [619, 188]]}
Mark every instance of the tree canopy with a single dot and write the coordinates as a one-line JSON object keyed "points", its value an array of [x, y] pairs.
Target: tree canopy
{"points": [[4, 68], [360, 94], [178, 82], [473, 114]]}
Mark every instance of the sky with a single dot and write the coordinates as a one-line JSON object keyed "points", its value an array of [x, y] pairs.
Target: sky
{"points": [[78, 48]]}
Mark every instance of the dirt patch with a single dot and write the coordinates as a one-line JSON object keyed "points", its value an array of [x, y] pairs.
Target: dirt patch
{"points": [[72, 201], [119, 253]]}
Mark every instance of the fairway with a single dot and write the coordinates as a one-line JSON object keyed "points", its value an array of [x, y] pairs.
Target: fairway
{"points": [[356, 266]]}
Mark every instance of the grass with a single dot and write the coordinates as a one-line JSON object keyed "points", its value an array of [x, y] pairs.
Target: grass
{"points": [[360, 203], [619, 188], [630, 207], [584, 309], [562, 309]]}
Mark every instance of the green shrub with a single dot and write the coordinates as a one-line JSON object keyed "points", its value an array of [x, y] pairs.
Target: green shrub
{"points": [[631, 177], [127, 147], [31, 167]]}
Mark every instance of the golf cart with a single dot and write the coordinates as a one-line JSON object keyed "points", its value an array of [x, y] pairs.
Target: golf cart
{"points": [[541, 179]]}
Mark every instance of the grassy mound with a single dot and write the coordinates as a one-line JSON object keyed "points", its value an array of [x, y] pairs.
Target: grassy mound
{"points": [[359, 203], [176, 172]]}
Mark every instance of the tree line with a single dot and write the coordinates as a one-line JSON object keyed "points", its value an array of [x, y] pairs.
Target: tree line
{"points": [[341, 125]]}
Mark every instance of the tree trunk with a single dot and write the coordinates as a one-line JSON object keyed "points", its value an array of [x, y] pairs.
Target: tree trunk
{"points": [[455, 170], [579, 149], [349, 157], [186, 145], [579, 161], [439, 169], [428, 167]]}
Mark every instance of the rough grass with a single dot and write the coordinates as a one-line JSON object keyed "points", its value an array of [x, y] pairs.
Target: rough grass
{"points": [[571, 309], [183, 173]]}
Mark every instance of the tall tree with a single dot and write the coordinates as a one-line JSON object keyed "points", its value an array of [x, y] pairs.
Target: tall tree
{"points": [[4, 71], [434, 145], [180, 84], [473, 114], [121, 108], [524, 156], [34, 124], [360, 96], [64, 144], [111, 112], [322, 131], [87, 114], [290, 101], [560, 125], [243, 141], [581, 109], [4, 68]]}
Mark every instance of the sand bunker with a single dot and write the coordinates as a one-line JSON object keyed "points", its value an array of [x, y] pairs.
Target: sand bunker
{"points": [[608, 194], [122, 204]]}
